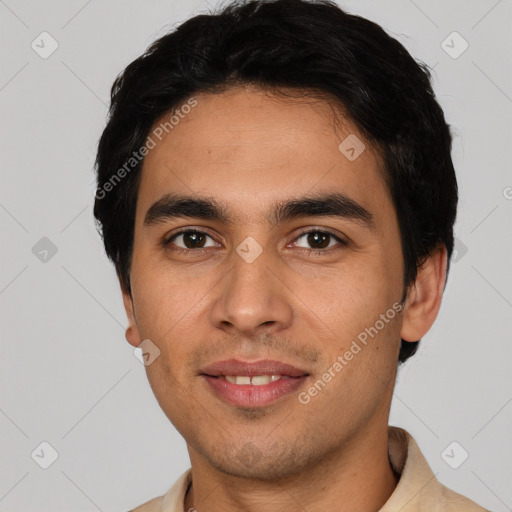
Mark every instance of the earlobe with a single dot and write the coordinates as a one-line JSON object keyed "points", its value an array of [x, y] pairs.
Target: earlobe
{"points": [[132, 334], [424, 296]]}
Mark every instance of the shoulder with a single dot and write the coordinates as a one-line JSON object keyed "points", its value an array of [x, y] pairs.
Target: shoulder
{"points": [[454, 502], [418, 488], [172, 501]]}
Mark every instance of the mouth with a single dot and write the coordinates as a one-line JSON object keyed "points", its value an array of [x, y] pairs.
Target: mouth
{"points": [[252, 384]]}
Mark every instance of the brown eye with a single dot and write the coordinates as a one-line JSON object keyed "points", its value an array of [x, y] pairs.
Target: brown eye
{"points": [[192, 240], [317, 240]]}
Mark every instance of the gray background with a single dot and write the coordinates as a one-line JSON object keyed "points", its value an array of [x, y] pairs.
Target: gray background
{"points": [[67, 375]]}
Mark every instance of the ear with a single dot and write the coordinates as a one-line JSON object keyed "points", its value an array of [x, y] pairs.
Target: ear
{"points": [[424, 296], [132, 334]]}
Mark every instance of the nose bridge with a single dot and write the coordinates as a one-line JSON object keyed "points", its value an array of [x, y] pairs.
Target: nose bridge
{"points": [[251, 299], [251, 277]]}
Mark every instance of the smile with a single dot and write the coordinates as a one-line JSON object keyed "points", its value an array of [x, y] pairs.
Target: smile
{"points": [[252, 384], [257, 380]]}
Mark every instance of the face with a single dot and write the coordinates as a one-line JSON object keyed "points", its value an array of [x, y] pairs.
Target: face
{"points": [[263, 249]]}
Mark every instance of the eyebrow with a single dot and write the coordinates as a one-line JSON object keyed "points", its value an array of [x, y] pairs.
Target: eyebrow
{"points": [[172, 206]]}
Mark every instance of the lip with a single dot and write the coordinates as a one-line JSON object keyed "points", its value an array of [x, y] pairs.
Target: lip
{"points": [[252, 368], [249, 395]]}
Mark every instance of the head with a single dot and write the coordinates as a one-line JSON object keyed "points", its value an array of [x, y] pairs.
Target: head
{"points": [[247, 127]]}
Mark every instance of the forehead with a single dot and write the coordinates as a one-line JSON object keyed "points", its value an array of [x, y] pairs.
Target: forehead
{"points": [[248, 146]]}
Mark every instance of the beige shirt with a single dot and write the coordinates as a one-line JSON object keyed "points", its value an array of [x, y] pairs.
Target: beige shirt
{"points": [[417, 491]]}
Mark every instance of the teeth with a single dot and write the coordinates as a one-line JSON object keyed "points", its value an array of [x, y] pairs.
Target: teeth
{"points": [[257, 380], [238, 380], [260, 380]]}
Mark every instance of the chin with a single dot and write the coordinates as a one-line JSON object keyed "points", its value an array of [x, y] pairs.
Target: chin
{"points": [[266, 463]]}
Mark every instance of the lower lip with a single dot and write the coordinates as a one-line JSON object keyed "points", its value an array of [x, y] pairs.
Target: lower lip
{"points": [[253, 396]]}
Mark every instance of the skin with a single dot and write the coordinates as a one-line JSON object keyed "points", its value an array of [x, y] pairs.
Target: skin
{"points": [[248, 150]]}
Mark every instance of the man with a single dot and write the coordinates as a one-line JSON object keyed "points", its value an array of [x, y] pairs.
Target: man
{"points": [[276, 191]]}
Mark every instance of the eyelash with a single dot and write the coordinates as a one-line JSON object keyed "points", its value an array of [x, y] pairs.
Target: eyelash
{"points": [[342, 243]]}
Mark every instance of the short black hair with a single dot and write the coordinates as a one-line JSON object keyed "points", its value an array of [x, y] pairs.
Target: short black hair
{"points": [[283, 44]]}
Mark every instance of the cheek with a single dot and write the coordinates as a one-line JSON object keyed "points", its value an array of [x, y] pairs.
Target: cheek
{"points": [[350, 295], [354, 305], [163, 296], [169, 305]]}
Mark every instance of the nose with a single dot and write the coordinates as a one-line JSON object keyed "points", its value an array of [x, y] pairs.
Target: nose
{"points": [[252, 300]]}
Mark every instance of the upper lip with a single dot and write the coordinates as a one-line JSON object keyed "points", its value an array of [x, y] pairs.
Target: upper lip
{"points": [[251, 368]]}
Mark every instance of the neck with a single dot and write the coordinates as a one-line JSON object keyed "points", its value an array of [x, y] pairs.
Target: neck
{"points": [[358, 477]]}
